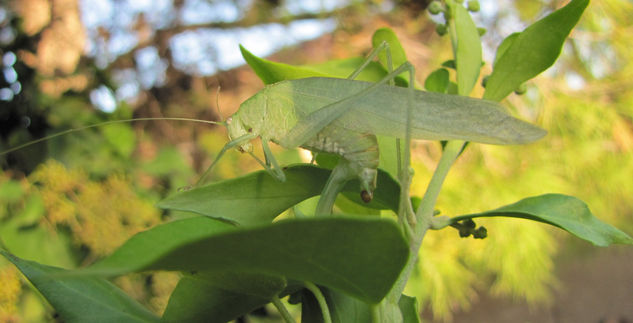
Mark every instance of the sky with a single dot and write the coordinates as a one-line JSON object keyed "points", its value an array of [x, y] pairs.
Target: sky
{"points": [[202, 51]]}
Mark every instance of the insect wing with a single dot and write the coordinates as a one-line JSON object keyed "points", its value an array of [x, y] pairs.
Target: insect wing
{"points": [[382, 111]]}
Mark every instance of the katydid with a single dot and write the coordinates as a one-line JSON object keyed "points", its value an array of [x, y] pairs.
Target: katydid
{"points": [[343, 117]]}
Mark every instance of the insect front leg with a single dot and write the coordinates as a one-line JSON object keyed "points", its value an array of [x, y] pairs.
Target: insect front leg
{"points": [[229, 145], [275, 170]]}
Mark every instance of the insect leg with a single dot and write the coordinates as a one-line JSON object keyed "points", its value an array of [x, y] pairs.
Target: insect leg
{"points": [[383, 46], [226, 147], [405, 210], [275, 170]]}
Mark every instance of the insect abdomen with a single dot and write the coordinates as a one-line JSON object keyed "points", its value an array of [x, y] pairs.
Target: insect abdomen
{"points": [[360, 150]]}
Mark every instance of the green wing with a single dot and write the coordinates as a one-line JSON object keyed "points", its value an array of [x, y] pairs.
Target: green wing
{"points": [[382, 111]]}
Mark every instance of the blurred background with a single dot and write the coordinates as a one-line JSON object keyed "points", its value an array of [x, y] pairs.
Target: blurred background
{"points": [[71, 200]]}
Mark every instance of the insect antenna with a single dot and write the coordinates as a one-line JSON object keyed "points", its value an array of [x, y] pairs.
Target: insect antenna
{"points": [[69, 131], [217, 103]]}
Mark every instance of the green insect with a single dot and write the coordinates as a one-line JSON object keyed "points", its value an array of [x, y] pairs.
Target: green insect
{"points": [[343, 117]]}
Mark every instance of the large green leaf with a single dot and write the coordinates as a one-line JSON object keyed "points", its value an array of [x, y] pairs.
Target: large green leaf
{"points": [[81, 299], [220, 297], [532, 51], [565, 212], [364, 264], [272, 72], [468, 49], [258, 198]]}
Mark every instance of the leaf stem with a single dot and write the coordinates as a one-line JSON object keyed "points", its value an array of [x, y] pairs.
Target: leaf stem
{"points": [[424, 214], [325, 311], [335, 183], [283, 310]]}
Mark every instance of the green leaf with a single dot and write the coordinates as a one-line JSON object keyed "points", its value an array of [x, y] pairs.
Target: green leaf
{"points": [[409, 308], [533, 50], [503, 47], [468, 51], [565, 212], [342, 68], [81, 299], [220, 297], [343, 308], [321, 250], [258, 198], [272, 72], [398, 56], [437, 81]]}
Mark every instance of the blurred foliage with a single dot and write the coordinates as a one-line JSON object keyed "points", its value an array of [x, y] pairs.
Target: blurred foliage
{"points": [[100, 215], [101, 189]]}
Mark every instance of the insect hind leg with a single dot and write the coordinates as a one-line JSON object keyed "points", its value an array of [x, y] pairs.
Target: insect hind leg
{"points": [[405, 210]]}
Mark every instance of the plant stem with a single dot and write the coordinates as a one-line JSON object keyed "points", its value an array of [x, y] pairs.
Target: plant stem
{"points": [[325, 311], [335, 183], [283, 310], [424, 214]]}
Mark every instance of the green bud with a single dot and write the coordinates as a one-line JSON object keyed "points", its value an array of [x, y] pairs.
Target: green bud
{"points": [[473, 5], [521, 89], [435, 7], [482, 31], [441, 29], [480, 233]]}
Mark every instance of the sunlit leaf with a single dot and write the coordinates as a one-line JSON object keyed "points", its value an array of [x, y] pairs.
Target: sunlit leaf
{"points": [[533, 50], [565, 212], [258, 198], [272, 72], [468, 49], [398, 56]]}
